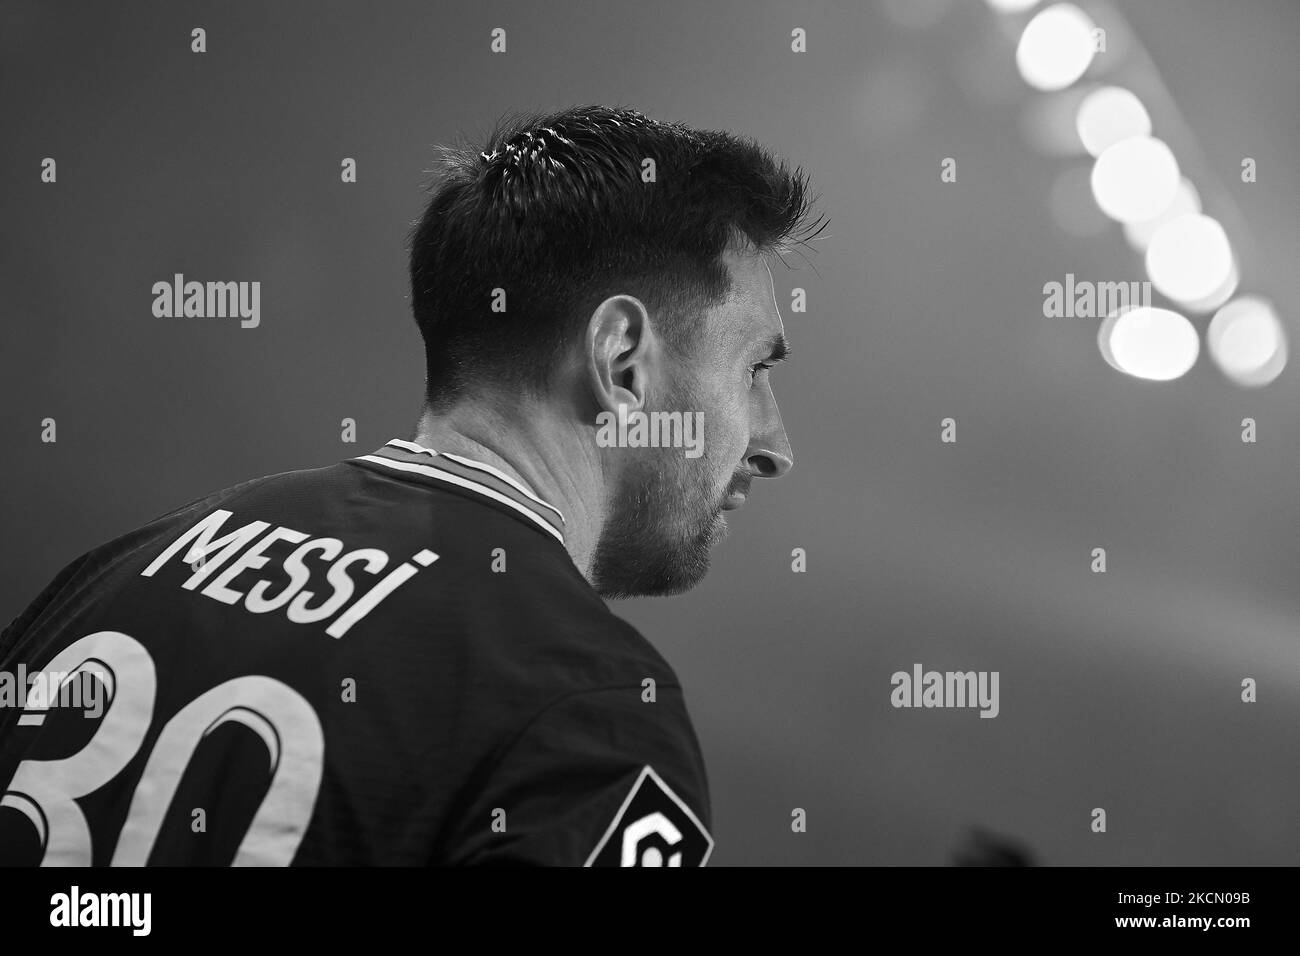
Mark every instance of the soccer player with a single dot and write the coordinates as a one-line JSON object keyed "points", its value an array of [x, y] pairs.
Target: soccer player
{"points": [[405, 658]]}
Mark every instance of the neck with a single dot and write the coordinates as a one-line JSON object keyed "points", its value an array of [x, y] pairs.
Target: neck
{"points": [[551, 460]]}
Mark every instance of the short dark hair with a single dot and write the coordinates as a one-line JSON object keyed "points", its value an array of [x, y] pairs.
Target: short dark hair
{"points": [[556, 211]]}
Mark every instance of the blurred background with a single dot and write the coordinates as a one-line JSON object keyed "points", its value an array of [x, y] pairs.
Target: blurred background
{"points": [[1119, 690]]}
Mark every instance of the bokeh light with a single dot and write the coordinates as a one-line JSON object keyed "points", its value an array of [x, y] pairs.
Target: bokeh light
{"points": [[1011, 6], [1104, 333], [1135, 179], [1247, 341], [1056, 47], [1150, 343], [1108, 115], [1186, 199], [1189, 258]]}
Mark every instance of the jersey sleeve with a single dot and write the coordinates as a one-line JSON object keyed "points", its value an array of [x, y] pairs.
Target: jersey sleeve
{"points": [[16, 628], [598, 778]]}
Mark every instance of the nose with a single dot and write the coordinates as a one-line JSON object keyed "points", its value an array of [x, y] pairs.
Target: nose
{"points": [[769, 454], [769, 463]]}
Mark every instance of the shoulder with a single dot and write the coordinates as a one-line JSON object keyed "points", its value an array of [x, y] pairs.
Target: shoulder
{"points": [[599, 777]]}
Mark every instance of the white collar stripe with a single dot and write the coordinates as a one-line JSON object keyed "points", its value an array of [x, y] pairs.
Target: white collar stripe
{"points": [[483, 466], [519, 486], [430, 471]]}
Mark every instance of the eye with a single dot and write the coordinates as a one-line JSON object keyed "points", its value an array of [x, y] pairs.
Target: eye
{"points": [[754, 369]]}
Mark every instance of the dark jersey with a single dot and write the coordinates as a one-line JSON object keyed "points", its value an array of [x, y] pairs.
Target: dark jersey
{"points": [[392, 660]]}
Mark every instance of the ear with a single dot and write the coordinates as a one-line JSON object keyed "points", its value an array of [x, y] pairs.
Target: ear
{"points": [[623, 354]]}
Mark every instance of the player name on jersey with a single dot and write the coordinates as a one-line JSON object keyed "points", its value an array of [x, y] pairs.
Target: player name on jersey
{"points": [[314, 562]]}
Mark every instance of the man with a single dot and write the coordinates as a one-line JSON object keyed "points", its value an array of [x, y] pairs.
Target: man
{"points": [[404, 658]]}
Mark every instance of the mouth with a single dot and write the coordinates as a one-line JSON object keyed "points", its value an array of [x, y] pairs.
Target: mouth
{"points": [[733, 501]]}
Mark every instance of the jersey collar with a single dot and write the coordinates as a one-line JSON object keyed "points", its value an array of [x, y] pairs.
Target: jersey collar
{"points": [[417, 461]]}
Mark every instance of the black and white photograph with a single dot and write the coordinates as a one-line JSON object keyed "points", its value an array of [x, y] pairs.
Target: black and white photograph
{"points": [[844, 435]]}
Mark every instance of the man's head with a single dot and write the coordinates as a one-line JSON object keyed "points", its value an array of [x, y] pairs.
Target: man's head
{"points": [[604, 265]]}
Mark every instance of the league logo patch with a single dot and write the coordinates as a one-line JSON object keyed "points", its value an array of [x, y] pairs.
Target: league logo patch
{"points": [[653, 827]]}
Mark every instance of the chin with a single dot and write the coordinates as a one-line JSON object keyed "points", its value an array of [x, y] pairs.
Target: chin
{"points": [[662, 574], [672, 581]]}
